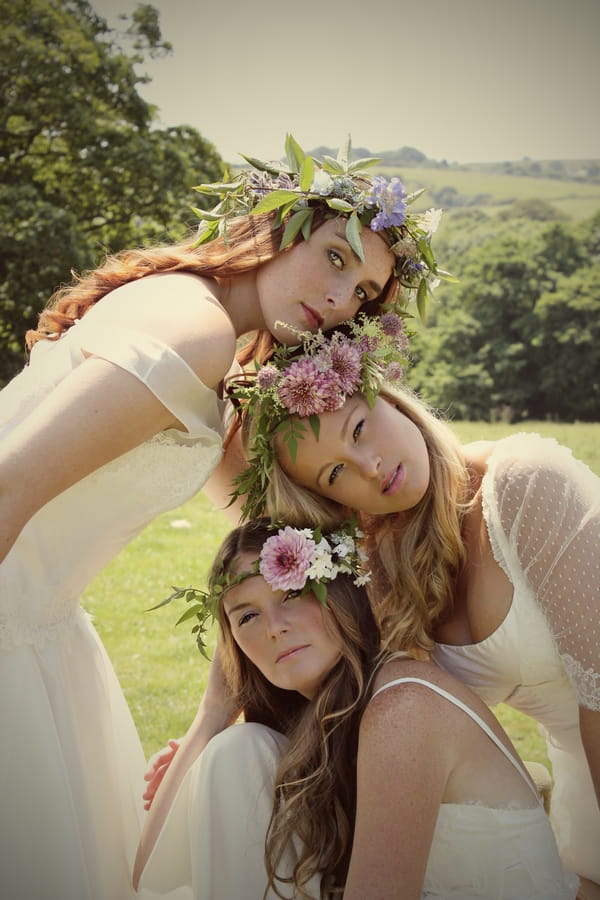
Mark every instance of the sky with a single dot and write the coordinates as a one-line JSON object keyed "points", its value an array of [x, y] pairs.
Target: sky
{"points": [[460, 80]]}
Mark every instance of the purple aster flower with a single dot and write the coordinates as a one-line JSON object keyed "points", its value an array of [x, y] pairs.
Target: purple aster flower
{"points": [[393, 372], [285, 559], [368, 343], [306, 389], [266, 377], [391, 324], [260, 183], [390, 198], [344, 358]]}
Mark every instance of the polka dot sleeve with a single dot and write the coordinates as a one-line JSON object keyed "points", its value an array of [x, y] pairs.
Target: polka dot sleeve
{"points": [[543, 512]]}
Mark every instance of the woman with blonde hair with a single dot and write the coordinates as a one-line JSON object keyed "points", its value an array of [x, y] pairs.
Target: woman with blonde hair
{"points": [[118, 417], [358, 773], [485, 555]]}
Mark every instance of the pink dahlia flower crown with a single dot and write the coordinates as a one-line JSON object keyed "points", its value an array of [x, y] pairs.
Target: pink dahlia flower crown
{"points": [[298, 560], [294, 188], [302, 382]]}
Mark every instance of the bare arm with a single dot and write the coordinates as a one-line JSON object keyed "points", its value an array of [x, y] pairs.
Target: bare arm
{"points": [[215, 713], [219, 486], [100, 411], [401, 776]]}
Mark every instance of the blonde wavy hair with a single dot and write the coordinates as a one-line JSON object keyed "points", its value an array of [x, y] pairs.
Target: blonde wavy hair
{"points": [[315, 790], [415, 556], [251, 242]]}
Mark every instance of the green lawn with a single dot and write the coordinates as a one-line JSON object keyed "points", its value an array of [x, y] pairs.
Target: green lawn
{"points": [[160, 669]]}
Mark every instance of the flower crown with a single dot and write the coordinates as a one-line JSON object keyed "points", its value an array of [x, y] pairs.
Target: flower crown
{"points": [[293, 559], [296, 188], [303, 381]]}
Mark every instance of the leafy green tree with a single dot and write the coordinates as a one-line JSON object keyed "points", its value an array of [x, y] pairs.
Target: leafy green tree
{"points": [[83, 169], [519, 336]]}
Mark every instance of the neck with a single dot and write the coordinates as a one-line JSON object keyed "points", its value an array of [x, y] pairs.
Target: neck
{"points": [[239, 298]]}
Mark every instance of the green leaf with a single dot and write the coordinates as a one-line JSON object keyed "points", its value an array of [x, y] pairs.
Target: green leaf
{"points": [[271, 168], [332, 166], [294, 153], [274, 201], [224, 188], [353, 228], [307, 173], [307, 226], [365, 163], [206, 215], [294, 225], [422, 299], [339, 204], [320, 591], [315, 424], [344, 153]]}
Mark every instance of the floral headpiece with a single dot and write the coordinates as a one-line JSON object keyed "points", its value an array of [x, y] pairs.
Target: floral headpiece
{"points": [[296, 188], [304, 381], [293, 559]]}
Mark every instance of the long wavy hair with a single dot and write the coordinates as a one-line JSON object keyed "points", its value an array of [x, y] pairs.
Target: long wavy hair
{"points": [[251, 242], [314, 805], [415, 556]]}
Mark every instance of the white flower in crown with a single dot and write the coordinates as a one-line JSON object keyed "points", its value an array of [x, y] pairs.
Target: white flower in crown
{"points": [[322, 183], [429, 221], [322, 564]]}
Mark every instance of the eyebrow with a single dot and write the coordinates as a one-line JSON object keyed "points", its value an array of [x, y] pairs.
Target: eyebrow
{"points": [[373, 285], [343, 431]]}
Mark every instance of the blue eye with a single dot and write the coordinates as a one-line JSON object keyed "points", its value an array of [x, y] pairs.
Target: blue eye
{"points": [[247, 617]]}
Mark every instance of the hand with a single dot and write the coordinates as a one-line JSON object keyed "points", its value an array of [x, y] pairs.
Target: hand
{"points": [[157, 766]]}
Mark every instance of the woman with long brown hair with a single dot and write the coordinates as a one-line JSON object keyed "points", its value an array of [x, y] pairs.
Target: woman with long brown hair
{"points": [[358, 773], [118, 417]]}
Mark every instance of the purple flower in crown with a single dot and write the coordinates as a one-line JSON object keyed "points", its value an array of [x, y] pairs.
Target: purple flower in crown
{"points": [[344, 358], [391, 324], [266, 377], [390, 197], [286, 558], [308, 390], [393, 372], [260, 183]]}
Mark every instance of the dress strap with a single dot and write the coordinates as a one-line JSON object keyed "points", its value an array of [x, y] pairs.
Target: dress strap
{"points": [[472, 715]]}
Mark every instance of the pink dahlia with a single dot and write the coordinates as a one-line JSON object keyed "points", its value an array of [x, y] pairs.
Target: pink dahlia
{"points": [[306, 389], [344, 359], [285, 559]]}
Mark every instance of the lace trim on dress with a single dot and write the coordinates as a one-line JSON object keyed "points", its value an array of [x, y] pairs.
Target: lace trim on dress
{"points": [[17, 632], [585, 681]]}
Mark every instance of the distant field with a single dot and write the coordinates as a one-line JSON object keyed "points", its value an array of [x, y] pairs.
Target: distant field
{"points": [[161, 671], [577, 199]]}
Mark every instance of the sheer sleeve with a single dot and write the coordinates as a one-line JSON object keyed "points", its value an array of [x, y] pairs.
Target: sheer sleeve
{"points": [[543, 512]]}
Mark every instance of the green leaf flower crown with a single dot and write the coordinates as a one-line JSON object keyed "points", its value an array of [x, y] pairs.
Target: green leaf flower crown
{"points": [[302, 560], [303, 381], [295, 188]]}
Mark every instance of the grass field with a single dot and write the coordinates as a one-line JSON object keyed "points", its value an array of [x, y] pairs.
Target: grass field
{"points": [[159, 667]]}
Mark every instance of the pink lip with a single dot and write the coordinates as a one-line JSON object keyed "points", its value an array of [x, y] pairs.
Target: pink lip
{"points": [[393, 481], [315, 319], [285, 654]]}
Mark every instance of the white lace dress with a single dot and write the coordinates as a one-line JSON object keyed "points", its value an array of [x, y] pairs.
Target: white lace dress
{"points": [[71, 763], [542, 510]]}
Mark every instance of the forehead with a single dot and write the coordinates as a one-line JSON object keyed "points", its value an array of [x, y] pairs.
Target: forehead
{"points": [[251, 588]]}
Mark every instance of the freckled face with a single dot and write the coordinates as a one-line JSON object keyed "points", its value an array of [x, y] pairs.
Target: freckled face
{"points": [[321, 282], [371, 460], [285, 635]]}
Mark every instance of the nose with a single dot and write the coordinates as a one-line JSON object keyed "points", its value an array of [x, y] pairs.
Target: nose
{"points": [[369, 464], [276, 622], [342, 298]]}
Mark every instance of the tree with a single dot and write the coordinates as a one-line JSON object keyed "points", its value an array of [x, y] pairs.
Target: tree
{"points": [[83, 171], [520, 334]]}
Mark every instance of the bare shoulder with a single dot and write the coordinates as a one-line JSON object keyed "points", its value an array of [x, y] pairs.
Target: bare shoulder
{"points": [[182, 310]]}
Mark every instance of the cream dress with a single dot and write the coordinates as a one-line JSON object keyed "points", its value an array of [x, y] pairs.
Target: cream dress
{"points": [[214, 835], [542, 511], [71, 763]]}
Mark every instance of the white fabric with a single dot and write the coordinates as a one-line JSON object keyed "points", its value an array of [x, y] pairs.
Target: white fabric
{"points": [[480, 853], [71, 763], [214, 836], [542, 510]]}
